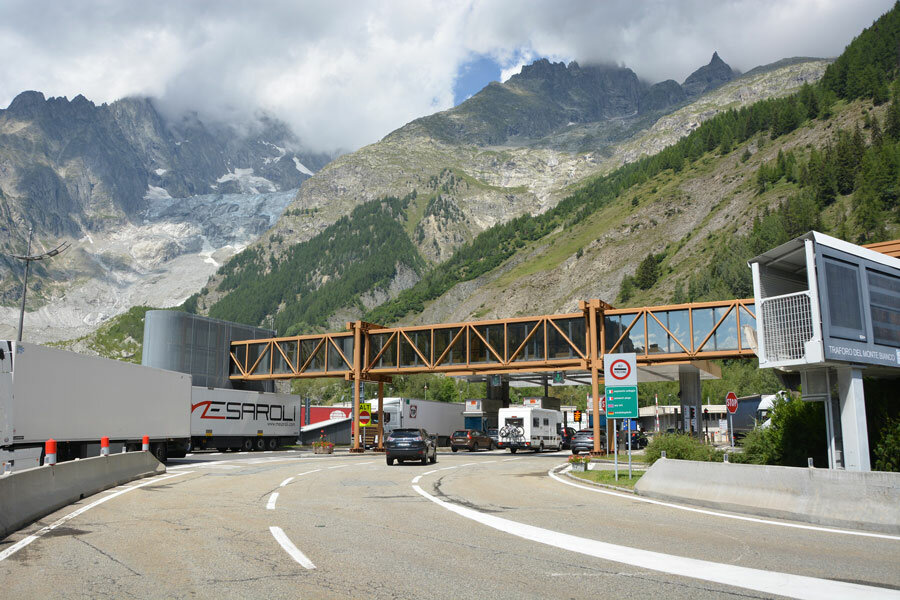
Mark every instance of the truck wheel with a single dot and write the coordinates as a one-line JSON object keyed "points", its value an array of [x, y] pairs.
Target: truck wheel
{"points": [[247, 444], [160, 451], [272, 443], [454, 448], [259, 444]]}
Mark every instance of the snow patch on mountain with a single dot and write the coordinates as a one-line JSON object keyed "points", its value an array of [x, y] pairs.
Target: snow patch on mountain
{"points": [[250, 183], [156, 193], [302, 168]]}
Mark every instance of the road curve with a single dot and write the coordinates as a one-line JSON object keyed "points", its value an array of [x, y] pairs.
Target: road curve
{"points": [[287, 524]]}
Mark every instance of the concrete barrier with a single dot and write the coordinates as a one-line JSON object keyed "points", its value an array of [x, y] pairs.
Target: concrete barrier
{"points": [[28, 495], [836, 498]]}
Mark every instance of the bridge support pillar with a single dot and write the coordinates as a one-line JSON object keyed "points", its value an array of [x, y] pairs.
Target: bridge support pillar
{"points": [[689, 383], [853, 419]]}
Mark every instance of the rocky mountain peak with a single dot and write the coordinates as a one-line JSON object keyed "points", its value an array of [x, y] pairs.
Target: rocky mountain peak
{"points": [[709, 77]]}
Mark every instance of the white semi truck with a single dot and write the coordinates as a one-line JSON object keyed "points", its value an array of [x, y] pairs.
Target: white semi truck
{"points": [[243, 420], [76, 400], [437, 418], [529, 428]]}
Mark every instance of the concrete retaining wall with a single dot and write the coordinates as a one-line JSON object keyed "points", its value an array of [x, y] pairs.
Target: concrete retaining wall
{"points": [[33, 493], [850, 499]]}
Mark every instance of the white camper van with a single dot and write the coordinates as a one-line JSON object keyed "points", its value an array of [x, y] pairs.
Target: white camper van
{"points": [[528, 428]]}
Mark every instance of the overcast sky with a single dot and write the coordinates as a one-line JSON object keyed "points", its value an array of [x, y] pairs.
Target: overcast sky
{"points": [[345, 73]]}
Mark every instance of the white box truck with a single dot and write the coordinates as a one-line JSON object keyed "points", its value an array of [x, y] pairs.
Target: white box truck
{"points": [[243, 420], [529, 428], [77, 399], [437, 418]]}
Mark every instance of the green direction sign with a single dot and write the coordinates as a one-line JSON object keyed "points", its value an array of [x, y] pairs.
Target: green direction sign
{"points": [[621, 402]]}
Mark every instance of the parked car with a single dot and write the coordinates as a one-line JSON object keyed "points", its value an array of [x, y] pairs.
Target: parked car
{"points": [[583, 441], [470, 439], [410, 444], [566, 434], [638, 440], [494, 434]]}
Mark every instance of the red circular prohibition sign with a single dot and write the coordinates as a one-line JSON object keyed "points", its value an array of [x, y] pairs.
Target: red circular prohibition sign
{"points": [[615, 365]]}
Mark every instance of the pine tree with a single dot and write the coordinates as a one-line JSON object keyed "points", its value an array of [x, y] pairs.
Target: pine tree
{"points": [[875, 134], [647, 273], [892, 119]]}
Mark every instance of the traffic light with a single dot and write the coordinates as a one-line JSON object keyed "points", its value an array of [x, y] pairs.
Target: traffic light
{"points": [[705, 414], [693, 414], [577, 416], [558, 377]]}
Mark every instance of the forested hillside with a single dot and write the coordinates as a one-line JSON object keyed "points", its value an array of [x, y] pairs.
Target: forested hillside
{"points": [[358, 255]]}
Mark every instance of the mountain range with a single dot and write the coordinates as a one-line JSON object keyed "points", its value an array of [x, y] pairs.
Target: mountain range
{"points": [[464, 171], [155, 205]]}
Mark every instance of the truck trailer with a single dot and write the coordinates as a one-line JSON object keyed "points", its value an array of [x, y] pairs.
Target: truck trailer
{"points": [[77, 400], [243, 420], [437, 418]]}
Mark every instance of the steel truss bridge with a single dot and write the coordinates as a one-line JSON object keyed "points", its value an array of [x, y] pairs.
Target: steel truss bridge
{"points": [[574, 343]]}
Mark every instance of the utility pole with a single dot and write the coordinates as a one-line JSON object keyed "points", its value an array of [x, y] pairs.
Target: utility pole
{"points": [[28, 258]]}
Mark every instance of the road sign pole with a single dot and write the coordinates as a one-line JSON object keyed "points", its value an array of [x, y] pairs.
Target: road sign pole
{"points": [[731, 429], [629, 448], [615, 448]]}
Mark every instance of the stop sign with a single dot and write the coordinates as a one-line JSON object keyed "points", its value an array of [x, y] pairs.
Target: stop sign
{"points": [[364, 417], [731, 402]]}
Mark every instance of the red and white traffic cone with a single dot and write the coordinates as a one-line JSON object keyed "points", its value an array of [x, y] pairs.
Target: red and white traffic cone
{"points": [[50, 452], [145, 444], [104, 446]]}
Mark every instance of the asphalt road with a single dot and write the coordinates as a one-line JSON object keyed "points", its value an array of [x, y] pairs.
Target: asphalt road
{"points": [[479, 525]]}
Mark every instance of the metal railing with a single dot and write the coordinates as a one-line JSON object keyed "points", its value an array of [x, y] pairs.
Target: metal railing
{"points": [[787, 326]]}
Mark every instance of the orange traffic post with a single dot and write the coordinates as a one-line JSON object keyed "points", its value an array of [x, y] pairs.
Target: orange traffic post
{"points": [[104, 446], [145, 444], [50, 452]]}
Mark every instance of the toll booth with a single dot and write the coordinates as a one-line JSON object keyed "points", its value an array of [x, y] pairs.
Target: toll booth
{"points": [[481, 413], [829, 311]]}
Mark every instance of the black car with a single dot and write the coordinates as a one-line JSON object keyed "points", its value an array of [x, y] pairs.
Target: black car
{"points": [[583, 441], [565, 435], [410, 444]]}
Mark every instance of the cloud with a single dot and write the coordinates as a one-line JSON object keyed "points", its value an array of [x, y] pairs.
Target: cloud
{"points": [[344, 73]]}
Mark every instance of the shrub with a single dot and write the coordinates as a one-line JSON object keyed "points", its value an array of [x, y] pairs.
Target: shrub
{"points": [[680, 446], [795, 433], [887, 451]]}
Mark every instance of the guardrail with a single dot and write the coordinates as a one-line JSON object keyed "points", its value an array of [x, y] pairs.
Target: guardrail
{"points": [[28, 495], [836, 498]]}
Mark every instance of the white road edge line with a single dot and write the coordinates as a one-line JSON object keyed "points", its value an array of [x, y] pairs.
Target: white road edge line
{"points": [[270, 505], [516, 458], [367, 463], [308, 472], [338, 466], [286, 481], [417, 478], [40, 532], [770, 582], [713, 513], [290, 548], [198, 465]]}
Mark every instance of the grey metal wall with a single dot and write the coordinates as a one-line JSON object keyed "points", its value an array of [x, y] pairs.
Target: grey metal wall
{"points": [[199, 346]]}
